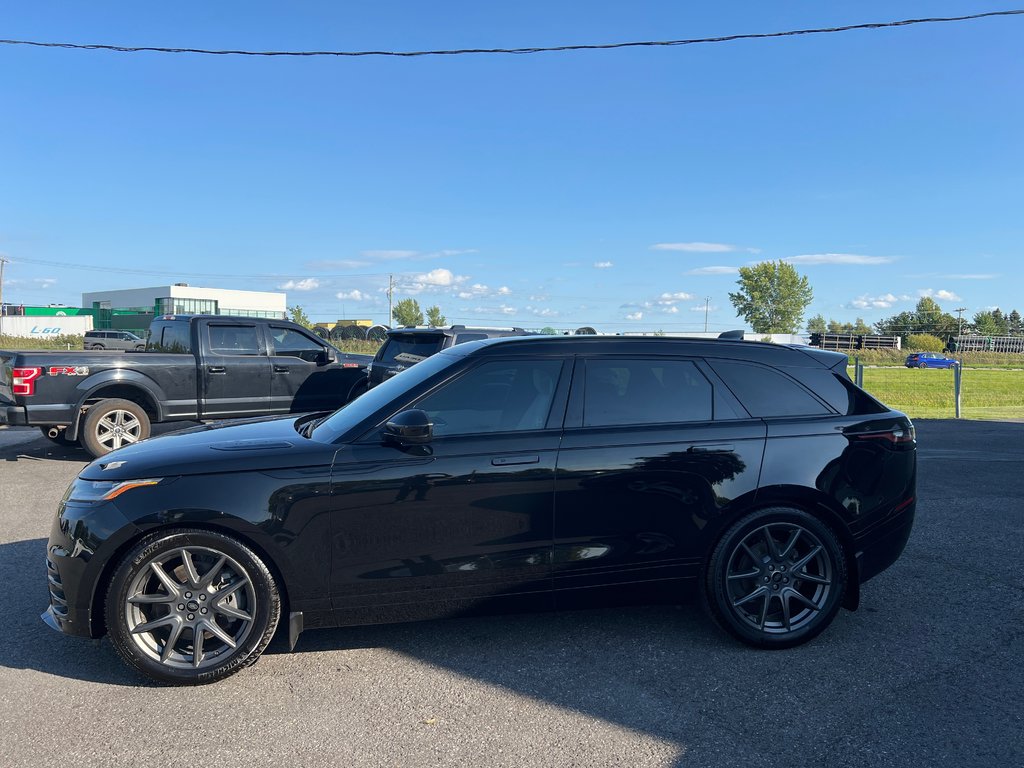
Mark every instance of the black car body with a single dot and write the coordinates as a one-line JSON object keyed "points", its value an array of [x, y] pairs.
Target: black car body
{"points": [[404, 347], [195, 367], [512, 474]]}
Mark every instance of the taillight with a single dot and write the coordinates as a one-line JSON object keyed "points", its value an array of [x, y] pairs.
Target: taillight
{"points": [[24, 380], [902, 437]]}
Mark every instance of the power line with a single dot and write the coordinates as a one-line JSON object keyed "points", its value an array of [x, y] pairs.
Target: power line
{"points": [[518, 51]]}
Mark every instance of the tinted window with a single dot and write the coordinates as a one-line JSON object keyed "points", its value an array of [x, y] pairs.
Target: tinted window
{"points": [[234, 340], [649, 391], [462, 338], [171, 337], [292, 343], [501, 396], [409, 348], [766, 392]]}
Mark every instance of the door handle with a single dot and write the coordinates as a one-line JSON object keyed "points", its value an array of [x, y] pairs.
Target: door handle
{"points": [[504, 461], [216, 369], [281, 369], [720, 448]]}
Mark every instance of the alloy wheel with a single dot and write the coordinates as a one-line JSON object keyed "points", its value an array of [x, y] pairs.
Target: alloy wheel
{"points": [[118, 428]]}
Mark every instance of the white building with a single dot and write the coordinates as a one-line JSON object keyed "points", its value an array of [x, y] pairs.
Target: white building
{"points": [[182, 299]]}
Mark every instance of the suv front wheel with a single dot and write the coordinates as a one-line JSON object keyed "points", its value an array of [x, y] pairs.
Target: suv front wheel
{"points": [[776, 578]]}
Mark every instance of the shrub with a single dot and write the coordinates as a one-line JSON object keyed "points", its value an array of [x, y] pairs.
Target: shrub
{"points": [[924, 342]]}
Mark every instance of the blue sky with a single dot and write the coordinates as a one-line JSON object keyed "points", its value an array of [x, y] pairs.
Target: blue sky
{"points": [[616, 189]]}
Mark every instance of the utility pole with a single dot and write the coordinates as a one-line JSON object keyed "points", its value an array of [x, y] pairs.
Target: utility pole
{"points": [[707, 302], [960, 321], [3, 262], [391, 291]]}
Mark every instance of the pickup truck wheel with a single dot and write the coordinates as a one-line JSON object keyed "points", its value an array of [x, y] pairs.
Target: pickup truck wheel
{"points": [[112, 424], [60, 439]]}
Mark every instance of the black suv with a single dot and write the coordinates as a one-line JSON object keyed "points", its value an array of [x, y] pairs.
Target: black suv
{"points": [[407, 346], [508, 474], [123, 340]]}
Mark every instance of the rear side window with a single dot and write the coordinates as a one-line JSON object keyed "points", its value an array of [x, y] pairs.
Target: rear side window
{"points": [[172, 338], [234, 340], [765, 392], [644, 391], [409, 348]]}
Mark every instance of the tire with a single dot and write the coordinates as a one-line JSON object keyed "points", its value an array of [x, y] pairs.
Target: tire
{"points": [[923, 365], [60, 439], [749, 588], [112, 424], [98, 346], [179, 585]]}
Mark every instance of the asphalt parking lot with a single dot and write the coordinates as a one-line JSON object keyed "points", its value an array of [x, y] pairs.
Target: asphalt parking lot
{"points": [[928, 671]]}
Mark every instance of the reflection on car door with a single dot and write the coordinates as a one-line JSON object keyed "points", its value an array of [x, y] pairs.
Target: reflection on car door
{"points": [[652, 453], [449, 527], [301, 380]]}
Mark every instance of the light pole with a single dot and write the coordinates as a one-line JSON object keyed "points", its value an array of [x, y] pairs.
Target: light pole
{"points": [[3, 263], [707, 302]]}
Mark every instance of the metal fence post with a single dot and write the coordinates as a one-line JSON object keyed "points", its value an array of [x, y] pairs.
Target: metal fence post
{"points": [[956, 388]]}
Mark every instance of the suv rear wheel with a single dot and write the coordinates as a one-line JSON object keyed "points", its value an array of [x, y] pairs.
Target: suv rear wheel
{"points": [[776, 579]]}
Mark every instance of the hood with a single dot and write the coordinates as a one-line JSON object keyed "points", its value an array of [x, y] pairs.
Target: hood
{"points": [[253, 445]]}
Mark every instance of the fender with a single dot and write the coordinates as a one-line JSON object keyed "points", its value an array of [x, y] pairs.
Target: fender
{"points": [[115, 377]]}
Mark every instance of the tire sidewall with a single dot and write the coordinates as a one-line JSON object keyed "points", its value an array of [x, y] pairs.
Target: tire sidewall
{"points": [[715, 596], [268, 606]]}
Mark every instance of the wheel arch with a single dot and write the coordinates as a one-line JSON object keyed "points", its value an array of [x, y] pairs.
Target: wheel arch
{"points": [[97, 603], [135, 388]]}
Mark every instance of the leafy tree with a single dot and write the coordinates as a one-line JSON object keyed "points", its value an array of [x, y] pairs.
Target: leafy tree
{"points": [[927, 317], [1013, 323], [924, 342], [407, 312], [860, 328], [816, 324], [989, 323], [299, 316], [772, 297], [435, 318]]}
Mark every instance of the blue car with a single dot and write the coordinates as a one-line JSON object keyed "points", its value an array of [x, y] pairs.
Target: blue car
{"points": [[930, 360]]}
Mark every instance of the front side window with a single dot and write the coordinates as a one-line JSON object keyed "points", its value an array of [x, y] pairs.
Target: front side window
{"points": [[291, 343], [499, 396], [234, 340], [645, 391]]}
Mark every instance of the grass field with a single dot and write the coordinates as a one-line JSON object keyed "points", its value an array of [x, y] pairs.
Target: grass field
{"points": [[928, 394]]}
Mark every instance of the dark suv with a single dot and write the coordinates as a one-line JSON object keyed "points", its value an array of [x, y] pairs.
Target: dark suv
{"points": [[407, 346], [509, 474], [123, 340]]}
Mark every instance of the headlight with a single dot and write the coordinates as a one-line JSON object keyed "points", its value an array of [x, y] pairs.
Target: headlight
{"points": [[88, 491]]}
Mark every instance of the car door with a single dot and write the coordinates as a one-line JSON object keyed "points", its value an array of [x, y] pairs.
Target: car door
{"points": [[301, 378], [235, 371], [653, 456], [463, 522]]}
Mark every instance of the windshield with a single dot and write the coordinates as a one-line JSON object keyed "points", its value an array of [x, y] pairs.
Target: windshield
{"points": [[380, 398]]}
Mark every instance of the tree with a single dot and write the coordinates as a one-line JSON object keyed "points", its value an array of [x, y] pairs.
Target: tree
{"points": [[988, 324], [299, 316], [407, 312], [547, 330], [434, 317], [772, 297], [924, 342], [927, 317], [816, 324], [1013, 323]]}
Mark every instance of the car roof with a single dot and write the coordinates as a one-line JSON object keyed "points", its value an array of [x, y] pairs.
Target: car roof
{"points": [[753, 351]]}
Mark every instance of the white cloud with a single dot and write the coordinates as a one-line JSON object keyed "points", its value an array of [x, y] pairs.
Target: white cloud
{"points": [[386, 255], [672, 298], [435, 281], [504, 309], [635, 316], [940, 294], [603, 264], [478, 290], [543, 311], [504, 291], [353, 295], [325, 264], [45, 282], [875, 302], [969, 277], [698, 247], [700, 308], [672, 310], [714, 271], [838, 258], [306, 284]]}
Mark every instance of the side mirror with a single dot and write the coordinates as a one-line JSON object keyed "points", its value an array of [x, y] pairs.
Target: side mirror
{"points": [[411, 427], [328, 356]]}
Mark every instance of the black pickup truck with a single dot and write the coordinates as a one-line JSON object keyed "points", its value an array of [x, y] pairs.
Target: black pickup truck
{"points": [[194, 367]]}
